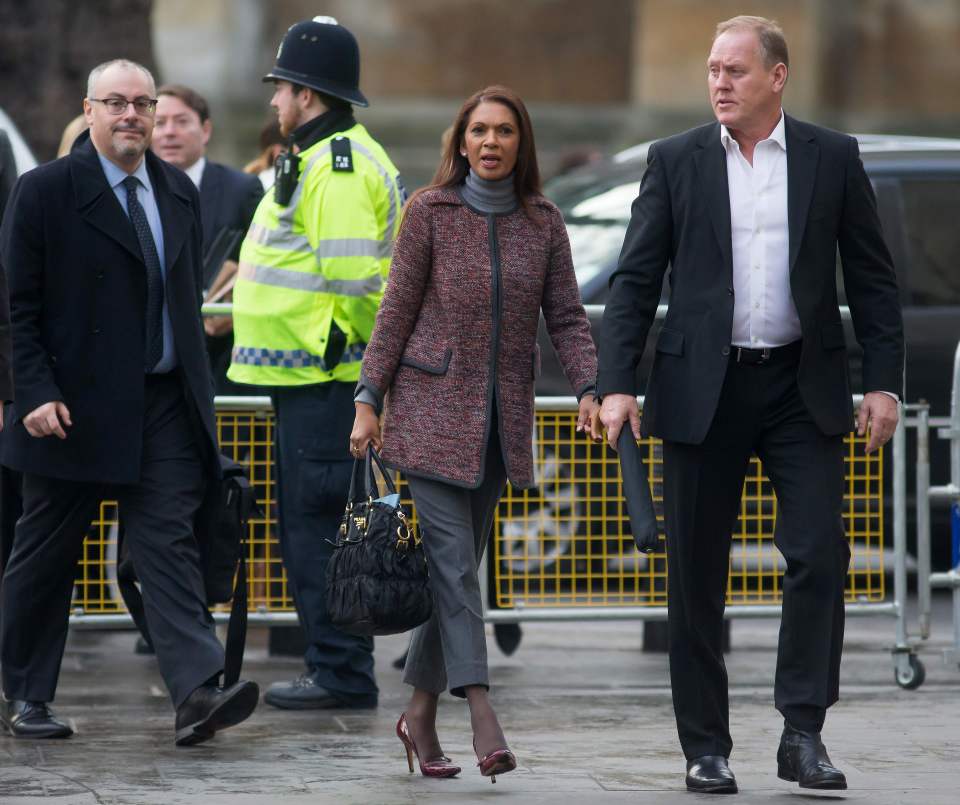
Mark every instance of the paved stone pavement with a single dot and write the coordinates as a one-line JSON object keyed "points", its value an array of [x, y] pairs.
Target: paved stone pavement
{"points": [[587, 713]]}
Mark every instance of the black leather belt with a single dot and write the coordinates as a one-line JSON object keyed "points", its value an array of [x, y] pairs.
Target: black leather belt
{"points": [[758, 357]]}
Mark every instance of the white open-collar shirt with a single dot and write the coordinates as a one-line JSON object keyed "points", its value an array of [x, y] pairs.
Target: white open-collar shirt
{"points": [[764, 314]]}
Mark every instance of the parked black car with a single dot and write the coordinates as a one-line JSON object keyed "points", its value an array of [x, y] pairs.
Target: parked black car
{"points": [[917, 184]]}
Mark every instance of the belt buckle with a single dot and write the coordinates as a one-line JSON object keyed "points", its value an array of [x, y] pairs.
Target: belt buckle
{"points": [[765, 353]]}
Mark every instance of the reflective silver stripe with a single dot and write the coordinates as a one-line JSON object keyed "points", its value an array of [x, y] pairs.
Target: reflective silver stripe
{"points": [[316, 283], [282, 238], [386, 238], [348, 247]]}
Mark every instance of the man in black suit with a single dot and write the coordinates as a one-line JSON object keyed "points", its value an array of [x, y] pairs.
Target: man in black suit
{"points": [[749, 212], [101, 250], [228, 200]]}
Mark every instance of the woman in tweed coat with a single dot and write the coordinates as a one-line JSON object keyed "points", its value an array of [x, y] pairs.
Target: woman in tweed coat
{"points": [[453, 358]]}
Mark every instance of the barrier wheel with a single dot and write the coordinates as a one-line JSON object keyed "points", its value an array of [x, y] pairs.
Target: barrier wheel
{"points": [[913, 677]]}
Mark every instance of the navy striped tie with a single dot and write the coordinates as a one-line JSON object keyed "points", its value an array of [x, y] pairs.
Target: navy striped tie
{"points": [[154, 331]]}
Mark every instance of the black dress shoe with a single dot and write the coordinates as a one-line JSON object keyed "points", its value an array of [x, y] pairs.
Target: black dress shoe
{"points": [[210, 709], [31, 720], [710, 774], [802, 758], [305, 694]]}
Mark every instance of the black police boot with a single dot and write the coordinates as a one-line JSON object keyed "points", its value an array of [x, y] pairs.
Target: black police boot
{"points": [[304, 693]]}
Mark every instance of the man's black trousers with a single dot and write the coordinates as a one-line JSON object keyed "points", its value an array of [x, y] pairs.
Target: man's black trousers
{"points": [[760, 411], [158, 515]]}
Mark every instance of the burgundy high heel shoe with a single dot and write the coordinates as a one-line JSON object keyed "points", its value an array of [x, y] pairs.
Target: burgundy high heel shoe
{"points": [[499, 761], [440, 767]]}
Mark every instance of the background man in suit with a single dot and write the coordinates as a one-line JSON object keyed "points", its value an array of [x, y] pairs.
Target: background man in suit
{"points": [[749, 212], [228, 200], [113, 398]]}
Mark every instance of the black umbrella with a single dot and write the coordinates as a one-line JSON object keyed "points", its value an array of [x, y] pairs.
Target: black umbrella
{"points": [[636, 492]]}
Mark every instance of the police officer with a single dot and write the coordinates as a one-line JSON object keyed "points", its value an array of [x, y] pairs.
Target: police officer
{"points": [[312, 271]]}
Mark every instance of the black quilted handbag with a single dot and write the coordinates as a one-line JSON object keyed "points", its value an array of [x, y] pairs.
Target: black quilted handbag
{"points": [[377, 580]]}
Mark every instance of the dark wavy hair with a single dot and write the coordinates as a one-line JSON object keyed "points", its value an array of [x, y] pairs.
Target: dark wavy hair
{"points": [[454, 167]]}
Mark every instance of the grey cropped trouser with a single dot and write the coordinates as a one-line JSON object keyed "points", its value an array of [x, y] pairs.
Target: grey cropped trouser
{"points": [[449, 651]]}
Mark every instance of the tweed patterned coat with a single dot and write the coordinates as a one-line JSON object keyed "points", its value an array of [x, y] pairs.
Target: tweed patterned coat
{"points": [[458, 324]]}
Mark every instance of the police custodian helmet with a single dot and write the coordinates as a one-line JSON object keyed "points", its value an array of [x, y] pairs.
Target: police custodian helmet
{"points": [[323, 55]]}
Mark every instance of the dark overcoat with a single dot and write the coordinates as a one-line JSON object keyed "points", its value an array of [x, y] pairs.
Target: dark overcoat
{"points": [[458, 324], [681, 219], [77, 298]]}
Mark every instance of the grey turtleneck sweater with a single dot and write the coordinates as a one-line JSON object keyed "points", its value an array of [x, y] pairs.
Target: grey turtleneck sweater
{"points": [[489, 196]]}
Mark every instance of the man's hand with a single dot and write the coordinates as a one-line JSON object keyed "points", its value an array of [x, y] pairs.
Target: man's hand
{"points": [[615, 411], [48, 420], [1, 416], [588, 418], [217, 325], [879, 412]]}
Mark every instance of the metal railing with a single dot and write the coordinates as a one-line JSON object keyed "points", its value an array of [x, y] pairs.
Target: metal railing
{"points": [[927, 495]]}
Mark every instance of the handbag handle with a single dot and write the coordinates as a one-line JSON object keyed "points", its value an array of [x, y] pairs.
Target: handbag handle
{"points": [[373, 457], [363, 481]]}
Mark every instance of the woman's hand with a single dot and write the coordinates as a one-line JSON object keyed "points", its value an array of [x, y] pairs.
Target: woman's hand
{"points": [[588, 418], [366, 429]]}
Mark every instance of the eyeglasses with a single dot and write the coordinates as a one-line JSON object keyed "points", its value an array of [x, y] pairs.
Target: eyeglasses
{"points": [[117, 106]]}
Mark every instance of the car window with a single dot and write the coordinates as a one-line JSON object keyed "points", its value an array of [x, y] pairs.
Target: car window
{"points": [[931, 209], [595, 203], [918, 215], [596, 227]]}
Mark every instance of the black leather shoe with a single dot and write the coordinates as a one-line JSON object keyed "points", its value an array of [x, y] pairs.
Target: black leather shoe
{"points": [[31, 720], [210, 709], [802, 758], [710, 774], [305, 694]]}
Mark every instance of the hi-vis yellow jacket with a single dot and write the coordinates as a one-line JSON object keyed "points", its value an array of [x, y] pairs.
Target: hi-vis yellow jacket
{"points": [[323, 258]]}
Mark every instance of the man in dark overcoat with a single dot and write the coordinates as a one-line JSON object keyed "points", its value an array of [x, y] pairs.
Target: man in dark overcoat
{"points": [[113, 398], [749, 212]]}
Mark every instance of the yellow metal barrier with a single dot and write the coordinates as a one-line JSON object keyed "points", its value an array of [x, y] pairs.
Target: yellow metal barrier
{"points": [[565, 544], [568, 543]]}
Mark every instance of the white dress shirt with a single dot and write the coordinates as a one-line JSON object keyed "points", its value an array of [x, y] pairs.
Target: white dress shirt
{"points": [[195, 171], [763, 311]]}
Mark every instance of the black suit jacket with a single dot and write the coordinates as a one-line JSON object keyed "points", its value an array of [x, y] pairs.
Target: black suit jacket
{"points": [[681, 218], [77, 298], [228, 200]]}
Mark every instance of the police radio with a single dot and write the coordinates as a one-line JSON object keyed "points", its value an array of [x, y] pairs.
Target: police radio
{"points": [[285, 177]]}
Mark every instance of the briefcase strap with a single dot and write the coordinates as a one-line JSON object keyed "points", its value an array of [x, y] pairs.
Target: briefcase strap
{"points": [[237, 627]]}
